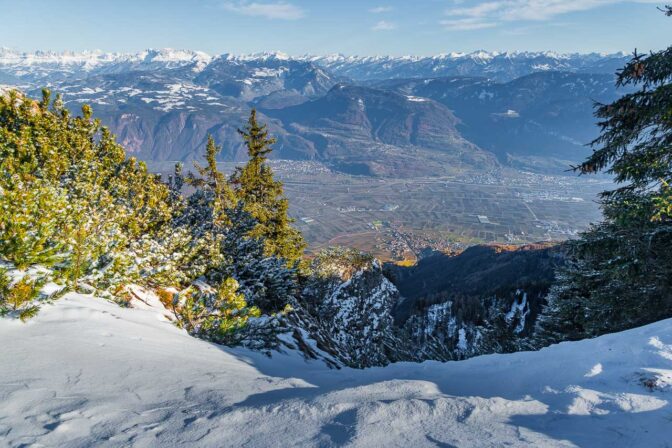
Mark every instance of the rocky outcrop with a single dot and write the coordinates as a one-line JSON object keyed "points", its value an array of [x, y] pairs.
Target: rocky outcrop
{"points": [[351, 317]]}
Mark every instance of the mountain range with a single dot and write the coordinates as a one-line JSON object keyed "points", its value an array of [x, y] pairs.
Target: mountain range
{"points": [[498, 66], [382, 116]]}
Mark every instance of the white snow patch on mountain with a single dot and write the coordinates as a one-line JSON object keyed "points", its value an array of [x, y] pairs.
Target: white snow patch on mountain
{"points": [[596, 370], [85, 372], [519, 311], [416, 99]]}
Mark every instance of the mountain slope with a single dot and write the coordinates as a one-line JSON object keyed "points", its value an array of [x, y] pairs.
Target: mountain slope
{"points": [[352, 121], [87, 372], [164, 116], [264, 78], [541, 118], [478, 273]]}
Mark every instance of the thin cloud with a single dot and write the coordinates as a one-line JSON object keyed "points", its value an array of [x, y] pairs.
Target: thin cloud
{"points": [[527, 29], [482, 10], [492, 13], [384, 25], [380, 9], [466, 24], [272, 10]]}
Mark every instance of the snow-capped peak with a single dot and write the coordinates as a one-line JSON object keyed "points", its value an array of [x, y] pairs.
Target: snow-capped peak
{"points": [[171, 55]]}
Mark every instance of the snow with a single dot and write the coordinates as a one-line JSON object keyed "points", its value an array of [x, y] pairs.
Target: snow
{"points": [[437, 313], [269, 72], [92, 59], [485, 94], [596, 370], [462, 340], [36, 272], [172, 96], [520, 311], [417, 99], [508, 114], [85, 372]]}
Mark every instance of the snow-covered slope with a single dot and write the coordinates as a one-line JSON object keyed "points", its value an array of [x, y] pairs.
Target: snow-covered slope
{"points": [[85, 372]]}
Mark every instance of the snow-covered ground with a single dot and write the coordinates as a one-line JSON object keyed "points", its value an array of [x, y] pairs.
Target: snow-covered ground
{"points": [[85, 372]]}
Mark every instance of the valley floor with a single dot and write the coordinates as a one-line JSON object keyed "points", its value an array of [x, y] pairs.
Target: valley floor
{"points": [[85, 372]]}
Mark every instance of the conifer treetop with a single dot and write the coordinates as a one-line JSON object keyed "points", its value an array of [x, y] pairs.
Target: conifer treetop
{"points": [[636, 131], [256, 137]]}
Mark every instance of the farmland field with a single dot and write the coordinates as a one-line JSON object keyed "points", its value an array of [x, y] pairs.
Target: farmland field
{"points": [[396, 219]]}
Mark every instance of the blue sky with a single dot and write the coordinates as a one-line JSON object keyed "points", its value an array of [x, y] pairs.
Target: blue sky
{"points": [[396, 27]]}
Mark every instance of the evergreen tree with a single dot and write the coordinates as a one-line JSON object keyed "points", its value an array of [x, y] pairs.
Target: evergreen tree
{"points": [[620, 271], [19, 297], [176, 183], [212, 238], [69, 197], [213, 314], [214, 182], [30, 236], [263, 196], [266, 281], [191, 246]]}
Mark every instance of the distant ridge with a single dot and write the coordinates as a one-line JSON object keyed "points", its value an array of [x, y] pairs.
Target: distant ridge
{"points": [[495, 65]]}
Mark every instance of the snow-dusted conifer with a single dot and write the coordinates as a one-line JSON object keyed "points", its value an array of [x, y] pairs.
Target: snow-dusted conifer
{"points": [[69, 197], [266, 281], [213, 314], [620, 271]]}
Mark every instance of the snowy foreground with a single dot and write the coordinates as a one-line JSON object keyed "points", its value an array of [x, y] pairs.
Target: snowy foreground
{"points": [[85, 372]]}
